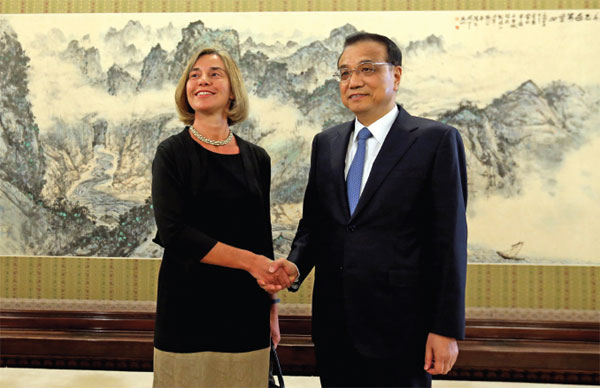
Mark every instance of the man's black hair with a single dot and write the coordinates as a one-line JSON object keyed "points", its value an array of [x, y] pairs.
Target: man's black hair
{"points": [[393, 51]]}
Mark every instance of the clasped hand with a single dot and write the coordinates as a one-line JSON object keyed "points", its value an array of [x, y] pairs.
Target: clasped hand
{"points": [[276, 275]]}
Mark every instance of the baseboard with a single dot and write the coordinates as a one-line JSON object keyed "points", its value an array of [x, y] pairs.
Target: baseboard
{"points": [[495, 350]]}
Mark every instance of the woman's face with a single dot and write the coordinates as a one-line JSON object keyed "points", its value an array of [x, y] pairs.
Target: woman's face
{"points": [[208, 88]]}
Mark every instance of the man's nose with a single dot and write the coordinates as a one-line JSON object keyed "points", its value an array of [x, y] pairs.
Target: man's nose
{"points": [[355, 80]]}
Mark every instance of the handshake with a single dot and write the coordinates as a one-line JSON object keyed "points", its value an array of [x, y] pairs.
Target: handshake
{"points": [[274, 276]]}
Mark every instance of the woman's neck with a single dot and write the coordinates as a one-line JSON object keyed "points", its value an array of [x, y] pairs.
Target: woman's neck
{"points": [[214, 127]]}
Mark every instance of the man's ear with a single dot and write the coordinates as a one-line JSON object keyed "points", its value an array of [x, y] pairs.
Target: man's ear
{"points": [[397, 77]]}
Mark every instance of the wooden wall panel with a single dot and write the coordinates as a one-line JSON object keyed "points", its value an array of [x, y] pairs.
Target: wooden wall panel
{"points": [[554, 352]]}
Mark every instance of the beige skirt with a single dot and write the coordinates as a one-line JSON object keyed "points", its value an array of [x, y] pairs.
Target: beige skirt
{"points": [[211, 369]]}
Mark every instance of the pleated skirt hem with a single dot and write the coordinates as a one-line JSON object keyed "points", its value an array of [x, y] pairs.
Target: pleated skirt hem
{"points": [[211, 369]]}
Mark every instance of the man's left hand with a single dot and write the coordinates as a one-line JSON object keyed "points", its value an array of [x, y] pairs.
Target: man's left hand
{"points": [[440, 354]]}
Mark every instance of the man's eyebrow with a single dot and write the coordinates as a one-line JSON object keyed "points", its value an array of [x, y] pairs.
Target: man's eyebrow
{"points": [[360, 63]]}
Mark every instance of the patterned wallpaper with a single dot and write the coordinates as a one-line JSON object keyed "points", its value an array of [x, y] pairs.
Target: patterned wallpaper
{"points": [[73, 283], [117, 6]]}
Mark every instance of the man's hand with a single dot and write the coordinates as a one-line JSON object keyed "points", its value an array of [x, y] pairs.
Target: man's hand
{"points": [[440, 354], [270, 279], [284, 271]]}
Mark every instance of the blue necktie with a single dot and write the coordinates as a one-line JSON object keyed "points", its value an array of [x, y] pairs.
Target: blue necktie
{"points": [[355, 172]]}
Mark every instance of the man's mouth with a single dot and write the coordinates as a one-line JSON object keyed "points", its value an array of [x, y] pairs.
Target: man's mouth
{"points": [[356, 96]]}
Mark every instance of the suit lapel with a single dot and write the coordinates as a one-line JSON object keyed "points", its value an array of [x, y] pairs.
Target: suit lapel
{"points": [[395, 145], [338, 150]]}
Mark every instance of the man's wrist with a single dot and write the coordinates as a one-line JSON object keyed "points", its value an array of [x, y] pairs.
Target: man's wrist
{"points": [[296, 284]]}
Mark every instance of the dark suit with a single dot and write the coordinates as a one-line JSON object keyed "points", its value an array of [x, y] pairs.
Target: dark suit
{"points": [[396, 269]]}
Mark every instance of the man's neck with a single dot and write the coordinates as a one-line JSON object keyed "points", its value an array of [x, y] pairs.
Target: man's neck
{"points": [[368, 118]]}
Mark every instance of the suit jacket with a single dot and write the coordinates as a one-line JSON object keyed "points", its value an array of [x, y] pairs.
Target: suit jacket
{"points": [[395, 270]]}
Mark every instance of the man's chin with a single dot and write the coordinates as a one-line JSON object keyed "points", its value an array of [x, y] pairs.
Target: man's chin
{"points": [[356, 107]]}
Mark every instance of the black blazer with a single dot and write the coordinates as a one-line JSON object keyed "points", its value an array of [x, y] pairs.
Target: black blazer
{"points": [[396, 269]]}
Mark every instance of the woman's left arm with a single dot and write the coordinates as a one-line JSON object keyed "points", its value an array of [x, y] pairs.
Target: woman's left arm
{"points": [[274, 315], [275, 333], [265, 166]]}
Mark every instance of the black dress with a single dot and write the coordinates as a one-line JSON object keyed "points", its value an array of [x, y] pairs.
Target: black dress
{"points": [[199, 198]]}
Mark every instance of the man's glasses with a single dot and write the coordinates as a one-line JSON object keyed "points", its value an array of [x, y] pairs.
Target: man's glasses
{"points": [[365, 69]]}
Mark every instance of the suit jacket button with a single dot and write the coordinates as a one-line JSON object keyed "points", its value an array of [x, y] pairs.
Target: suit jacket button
{"points": [[351, 228]]}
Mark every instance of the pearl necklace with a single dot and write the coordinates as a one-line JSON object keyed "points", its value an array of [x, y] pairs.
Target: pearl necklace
{"points": [[206, 140]]}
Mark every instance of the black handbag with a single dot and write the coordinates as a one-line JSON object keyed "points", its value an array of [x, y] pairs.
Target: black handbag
{"points": [[275, 370]]}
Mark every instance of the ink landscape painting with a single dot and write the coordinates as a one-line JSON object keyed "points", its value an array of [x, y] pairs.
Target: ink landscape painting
{"points": [[86, 99]]}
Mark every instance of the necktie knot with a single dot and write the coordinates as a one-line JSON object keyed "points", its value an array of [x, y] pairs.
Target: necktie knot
{"points": [[364, 134]]}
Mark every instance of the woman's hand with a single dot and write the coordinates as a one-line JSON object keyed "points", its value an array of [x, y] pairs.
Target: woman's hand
{"points": [[265, 275], [286, 272]]}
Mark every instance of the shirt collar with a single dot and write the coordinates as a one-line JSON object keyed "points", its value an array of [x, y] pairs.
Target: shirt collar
{"points": [[380, 128]]}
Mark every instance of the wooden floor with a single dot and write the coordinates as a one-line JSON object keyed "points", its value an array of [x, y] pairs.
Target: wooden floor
{"points": [[66, 378]]}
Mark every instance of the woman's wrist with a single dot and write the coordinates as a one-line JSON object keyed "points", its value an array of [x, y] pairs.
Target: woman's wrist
{"points": [[252, 261], [275, 306]]}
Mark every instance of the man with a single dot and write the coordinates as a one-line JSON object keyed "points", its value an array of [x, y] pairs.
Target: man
{"points": [[384, 224]]}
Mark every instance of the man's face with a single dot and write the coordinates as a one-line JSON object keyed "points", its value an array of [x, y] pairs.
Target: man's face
{"points": [[369, 97]]}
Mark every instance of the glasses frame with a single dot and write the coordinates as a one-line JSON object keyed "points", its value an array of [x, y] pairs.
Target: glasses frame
{"points": [[338, 74]]}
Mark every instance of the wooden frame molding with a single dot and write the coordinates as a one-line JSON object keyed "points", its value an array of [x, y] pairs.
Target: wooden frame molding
{"points": [[76, 340], [550, 352]]}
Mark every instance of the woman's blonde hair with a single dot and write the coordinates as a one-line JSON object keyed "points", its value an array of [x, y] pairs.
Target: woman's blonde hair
{"points": [[238, 108]]}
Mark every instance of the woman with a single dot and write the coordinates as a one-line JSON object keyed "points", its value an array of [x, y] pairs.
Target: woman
{"points": [[210, 192]]}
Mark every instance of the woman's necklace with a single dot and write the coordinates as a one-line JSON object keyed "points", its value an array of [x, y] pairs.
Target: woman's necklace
{"points": [[206, 140]]}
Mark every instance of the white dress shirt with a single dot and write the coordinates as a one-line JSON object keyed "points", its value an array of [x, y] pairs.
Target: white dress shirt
{"points": [[379, 129]]}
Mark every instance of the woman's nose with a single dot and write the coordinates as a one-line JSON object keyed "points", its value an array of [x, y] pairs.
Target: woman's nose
{"points": [[203, 79]]}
